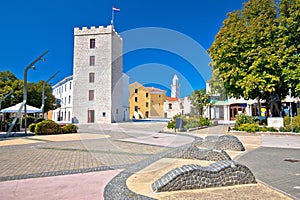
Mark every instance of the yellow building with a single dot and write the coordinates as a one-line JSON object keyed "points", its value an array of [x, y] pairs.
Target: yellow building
{"points": [[146, 102]]}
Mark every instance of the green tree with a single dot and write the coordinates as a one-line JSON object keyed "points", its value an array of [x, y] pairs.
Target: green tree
{"points": [[35, 96], [289, 30], [199, 100], [9, 82], [250, 50], [217, 86]]}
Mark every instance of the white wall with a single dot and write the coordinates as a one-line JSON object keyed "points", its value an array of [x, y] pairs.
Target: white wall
{"points": [[63, 90]]}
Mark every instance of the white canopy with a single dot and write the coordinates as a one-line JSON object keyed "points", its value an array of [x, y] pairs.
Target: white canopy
{"points": [[15, 109]]}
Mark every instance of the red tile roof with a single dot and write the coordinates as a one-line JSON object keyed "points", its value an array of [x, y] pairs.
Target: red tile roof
{"points": [[171, 99]]}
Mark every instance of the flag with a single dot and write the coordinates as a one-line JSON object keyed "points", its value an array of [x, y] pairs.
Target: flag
{"points": [[116, 9]]}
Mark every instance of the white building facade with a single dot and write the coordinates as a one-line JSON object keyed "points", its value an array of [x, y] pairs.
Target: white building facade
{"points": [[99, 83], [63, 92], [173, 106]]}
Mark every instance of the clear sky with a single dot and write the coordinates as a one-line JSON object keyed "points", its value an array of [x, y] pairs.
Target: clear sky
{"points": [[181, 32]]}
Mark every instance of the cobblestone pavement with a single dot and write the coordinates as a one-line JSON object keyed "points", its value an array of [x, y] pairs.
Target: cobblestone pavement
{"points": [[277, 167], [88, 153]]}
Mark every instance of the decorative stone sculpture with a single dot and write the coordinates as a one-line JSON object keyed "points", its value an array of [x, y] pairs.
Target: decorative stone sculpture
{"points": [[200, 154], [224, 142], [221, 173]]}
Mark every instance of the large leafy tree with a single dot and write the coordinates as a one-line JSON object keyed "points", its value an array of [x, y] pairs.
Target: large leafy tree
{"points": [[199, 99], [255, 52], [9, 82], [289, 30], [217, 87]]}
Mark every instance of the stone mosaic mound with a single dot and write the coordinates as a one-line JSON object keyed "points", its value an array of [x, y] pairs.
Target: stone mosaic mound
{"points": [[224, 142], [200, 154], [218, 174]]}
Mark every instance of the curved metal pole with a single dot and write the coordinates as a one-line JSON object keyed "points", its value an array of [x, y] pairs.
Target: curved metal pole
{"points": [[25, 88], [43, 93]]}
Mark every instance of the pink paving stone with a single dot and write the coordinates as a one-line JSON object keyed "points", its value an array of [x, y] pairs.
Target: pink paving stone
{"points": [[88, 186]]}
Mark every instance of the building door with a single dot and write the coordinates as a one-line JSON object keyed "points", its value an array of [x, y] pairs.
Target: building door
{"points": [[91, 116]]}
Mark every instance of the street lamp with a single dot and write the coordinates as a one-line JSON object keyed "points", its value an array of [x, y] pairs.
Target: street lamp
{"points": [[25, 86], [43, 93], [290, 99]]}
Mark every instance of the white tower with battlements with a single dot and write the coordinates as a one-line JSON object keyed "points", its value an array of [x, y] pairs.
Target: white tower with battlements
{"points": [[98, 81], [175, 87]]}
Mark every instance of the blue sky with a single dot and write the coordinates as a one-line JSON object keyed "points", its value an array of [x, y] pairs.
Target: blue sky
{"points": [[29, 28]]}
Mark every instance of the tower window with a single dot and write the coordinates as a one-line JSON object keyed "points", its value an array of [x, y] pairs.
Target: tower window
{"points": [[170, 106], [147, 104], [135, 99], [147, 95], [136, 91], [92, 60], [92, 43], [91, 95], [91, 77]]}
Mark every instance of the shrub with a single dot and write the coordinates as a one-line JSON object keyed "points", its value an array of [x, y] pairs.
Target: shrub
{"points": [[69, 128], [39, 120], [30, 120], [191, 123], [282, 129], [205, 122], [295, 123], [272, 129], [250, 128], [171, 124], [244, 119], [263, 129], [31, 127], [47, 127]]}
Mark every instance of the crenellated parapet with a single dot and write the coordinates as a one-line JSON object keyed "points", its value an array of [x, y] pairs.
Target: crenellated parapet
{"points": [[93, 30]]}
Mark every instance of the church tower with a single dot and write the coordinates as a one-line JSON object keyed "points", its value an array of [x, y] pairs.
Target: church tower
{"points": [[175, 87], [98, 75]]}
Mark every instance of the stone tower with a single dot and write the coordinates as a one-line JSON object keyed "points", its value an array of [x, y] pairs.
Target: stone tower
{"points": [[175, 87], [98, 75]]}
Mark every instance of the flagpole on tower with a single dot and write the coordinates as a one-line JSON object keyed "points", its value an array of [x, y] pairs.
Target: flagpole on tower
{"points": [[113, 10], [112, 16]]}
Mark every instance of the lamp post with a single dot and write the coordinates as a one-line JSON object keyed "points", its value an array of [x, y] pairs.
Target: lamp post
{"points": [[25, 87], [43, 93], [290, 100], [291, 109]]}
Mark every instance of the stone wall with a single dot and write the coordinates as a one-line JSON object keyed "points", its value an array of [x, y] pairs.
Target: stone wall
{"points": [[218, 174]]}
